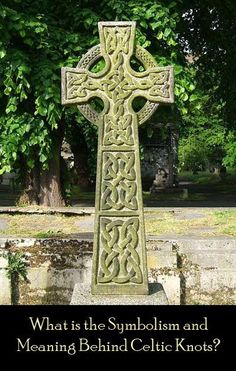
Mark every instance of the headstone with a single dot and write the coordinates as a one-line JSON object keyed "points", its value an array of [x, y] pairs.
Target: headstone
{"points": [[165, 158], [160, 180], [119, 256]]}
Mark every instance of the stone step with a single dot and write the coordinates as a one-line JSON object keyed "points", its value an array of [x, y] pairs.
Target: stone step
{"points": [[82, 296]]}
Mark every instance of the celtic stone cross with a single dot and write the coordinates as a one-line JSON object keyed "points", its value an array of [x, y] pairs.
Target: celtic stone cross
{"points": [[119, 258]]}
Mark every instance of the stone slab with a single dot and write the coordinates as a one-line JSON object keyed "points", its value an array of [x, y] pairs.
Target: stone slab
{"points": [[82, 296], [3, 224], [5, 288]]}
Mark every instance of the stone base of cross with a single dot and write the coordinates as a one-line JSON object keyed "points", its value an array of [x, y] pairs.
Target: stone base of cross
{"points": [[119, 257]]}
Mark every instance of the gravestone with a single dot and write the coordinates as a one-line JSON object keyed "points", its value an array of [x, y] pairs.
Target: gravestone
{"points": [[119, 256], [162, 153]]}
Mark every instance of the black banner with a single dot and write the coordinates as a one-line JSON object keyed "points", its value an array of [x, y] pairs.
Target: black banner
{"points": [[90, 333]]}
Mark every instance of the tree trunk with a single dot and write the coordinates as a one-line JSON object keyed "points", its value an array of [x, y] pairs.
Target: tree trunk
{"points": [[81, 164], [43, 187], [30, 193], [50, 183]]}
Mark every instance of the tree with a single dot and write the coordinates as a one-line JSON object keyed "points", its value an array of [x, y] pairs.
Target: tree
{"points": [[207, 33], [39, 37], [32, 123]]}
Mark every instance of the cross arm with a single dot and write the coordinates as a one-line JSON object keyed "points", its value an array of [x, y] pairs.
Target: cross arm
{"points": [[155, 84], [78, 85]]}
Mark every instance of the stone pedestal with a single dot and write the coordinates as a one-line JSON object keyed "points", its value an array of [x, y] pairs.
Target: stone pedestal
{"points": [[82, 296]]}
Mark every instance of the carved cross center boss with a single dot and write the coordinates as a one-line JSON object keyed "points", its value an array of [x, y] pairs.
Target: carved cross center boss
{"points": [[119, 258]]}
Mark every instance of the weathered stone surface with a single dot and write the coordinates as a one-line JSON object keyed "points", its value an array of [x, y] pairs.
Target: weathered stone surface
{"points": [[5, 289], [3, 224], [119, 258], [190, 271], [53, 268], [3, 262], [82, 296], [162, 259], [208, 271]]}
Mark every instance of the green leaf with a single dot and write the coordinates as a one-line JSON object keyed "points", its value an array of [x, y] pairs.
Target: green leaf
{"points": [[23, 148], [184, 110], [2, 53], [191, 87], [42, 110], [43, 158], [24, 68], [167, 32], [11, 108], [30, 163], [184, 97], [193, 97], [155, 25], [178, 69], [22, 33], [7, 91]]}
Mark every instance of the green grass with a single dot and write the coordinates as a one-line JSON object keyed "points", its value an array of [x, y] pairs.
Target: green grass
{"points": [[49, 234], [200, 178], [226, 221], [166, 223], [188, 176], [205, 177], [156, 222], [221, 223], [177, 195], [40, 226]]}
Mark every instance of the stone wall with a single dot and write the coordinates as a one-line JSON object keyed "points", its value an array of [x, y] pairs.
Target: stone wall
{"points": [[190, 271], [208, 271]]}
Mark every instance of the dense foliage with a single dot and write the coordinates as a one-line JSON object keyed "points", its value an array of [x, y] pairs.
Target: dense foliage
{"points": [[37, 38], [208, 32]]}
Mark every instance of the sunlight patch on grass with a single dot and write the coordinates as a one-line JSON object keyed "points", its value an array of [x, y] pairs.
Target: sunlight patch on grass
{"points": [[226, 222], [167, 223], [221, 223], [40, 226]]}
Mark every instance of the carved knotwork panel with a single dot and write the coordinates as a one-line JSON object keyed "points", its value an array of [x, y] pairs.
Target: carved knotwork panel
{"points": [[119, 181], [119, 255]]}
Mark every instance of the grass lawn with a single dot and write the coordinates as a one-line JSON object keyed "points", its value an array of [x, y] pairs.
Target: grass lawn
{"points": [[211, 223], [206, 223]]}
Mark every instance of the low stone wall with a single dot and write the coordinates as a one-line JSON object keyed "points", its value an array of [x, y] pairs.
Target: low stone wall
{"points": [[53, 268], [208, 271], [190, 271]]}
